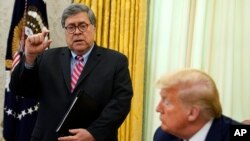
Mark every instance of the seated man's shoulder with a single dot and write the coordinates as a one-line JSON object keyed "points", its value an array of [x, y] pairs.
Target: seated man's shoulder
{"points": [[229, 121]]}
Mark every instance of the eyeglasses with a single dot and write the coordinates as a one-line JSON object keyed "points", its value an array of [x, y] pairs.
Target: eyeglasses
{"points": [[72, 28]]}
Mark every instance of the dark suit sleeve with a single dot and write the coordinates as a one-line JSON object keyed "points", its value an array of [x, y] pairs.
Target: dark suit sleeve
{"points": [[24, 82], [115, 112]]}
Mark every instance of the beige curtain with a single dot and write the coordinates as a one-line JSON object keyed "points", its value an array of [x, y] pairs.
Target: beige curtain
{"points": [[121, 25], [211, 35]]}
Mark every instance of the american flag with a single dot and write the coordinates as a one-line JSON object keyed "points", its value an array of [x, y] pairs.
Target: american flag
{"points": [[29, 17], [18, 54]]}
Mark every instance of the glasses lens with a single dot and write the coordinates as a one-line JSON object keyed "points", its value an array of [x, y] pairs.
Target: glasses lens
{"points": [[83, 27], [70, 29]]}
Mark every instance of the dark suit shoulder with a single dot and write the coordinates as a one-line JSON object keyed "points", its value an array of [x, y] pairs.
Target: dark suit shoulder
{"points": [[53, 53], [229, 121], [55, 50], [219, 130]]}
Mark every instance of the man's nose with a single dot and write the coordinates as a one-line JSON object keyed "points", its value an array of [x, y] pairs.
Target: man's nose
{"points": [[78, 30], [158, 107]]}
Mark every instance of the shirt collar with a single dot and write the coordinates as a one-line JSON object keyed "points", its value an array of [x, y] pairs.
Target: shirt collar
{"points": [[85, 56]]}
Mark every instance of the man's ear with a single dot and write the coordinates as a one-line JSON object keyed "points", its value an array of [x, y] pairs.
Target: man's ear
{"points": [[193, 113]]}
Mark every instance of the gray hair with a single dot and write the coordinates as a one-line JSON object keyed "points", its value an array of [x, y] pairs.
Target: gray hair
{"points": [[75, 9]]}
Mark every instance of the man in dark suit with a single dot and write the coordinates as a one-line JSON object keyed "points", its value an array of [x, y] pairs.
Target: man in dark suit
{"points": [[46, 74], [190, 108], [219, 131]]}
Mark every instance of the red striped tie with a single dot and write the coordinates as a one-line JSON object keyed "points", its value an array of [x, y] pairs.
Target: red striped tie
{"points": [[76, 72]]}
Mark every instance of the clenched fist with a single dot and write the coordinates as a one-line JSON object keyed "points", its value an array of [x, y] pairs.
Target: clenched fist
{"points": [[35, 45]]}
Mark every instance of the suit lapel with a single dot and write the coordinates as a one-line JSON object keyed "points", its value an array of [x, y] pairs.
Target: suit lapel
{"points": [[65, 63], [94, 58], [215, 132]]}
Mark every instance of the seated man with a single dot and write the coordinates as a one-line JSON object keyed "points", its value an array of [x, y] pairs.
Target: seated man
{"points": [[190, 108]]}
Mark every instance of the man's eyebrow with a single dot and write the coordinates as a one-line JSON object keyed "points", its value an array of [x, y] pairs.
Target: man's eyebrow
{"points": [[83, 22]]}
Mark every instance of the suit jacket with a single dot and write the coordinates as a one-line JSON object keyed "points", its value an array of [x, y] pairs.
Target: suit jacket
{"points": [[219, 131], [105, 78]]}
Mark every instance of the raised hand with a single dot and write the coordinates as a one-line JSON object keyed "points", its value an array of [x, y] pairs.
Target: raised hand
{"points": [[35, 45]]}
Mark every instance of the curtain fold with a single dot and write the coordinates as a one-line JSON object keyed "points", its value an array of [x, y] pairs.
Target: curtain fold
{"points": [[211, 35], [121, 25]]}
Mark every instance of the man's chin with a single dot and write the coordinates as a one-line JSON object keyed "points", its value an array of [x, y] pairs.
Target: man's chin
{"points": [[165, 128], [80, 46]]}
